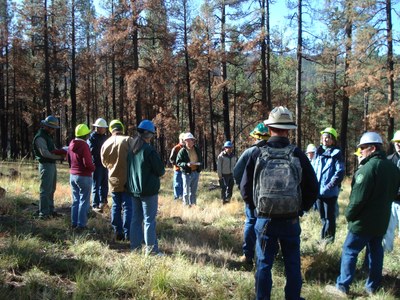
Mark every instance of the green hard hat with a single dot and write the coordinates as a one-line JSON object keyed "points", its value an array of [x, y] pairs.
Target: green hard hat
{"points": [[331, 131], [260, 131]]}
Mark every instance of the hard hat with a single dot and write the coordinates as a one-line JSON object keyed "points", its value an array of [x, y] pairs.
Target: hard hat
{"points": [[260, 131], [281, 118], [81, 130], [182, 137], [100, 122], [311, 148], [51, 122], [331, 131], [370, 137], [396, 137], [147, 125], [116, 125], [228, 144], [189, 136], [358, 152]]}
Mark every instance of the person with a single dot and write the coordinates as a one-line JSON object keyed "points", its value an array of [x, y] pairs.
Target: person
{"points": [[260, 135], [114, 156], [394, 222], [81, 169], [177, 180], [295, 193], [100, 174], [189, 159], [373, 188], [329, 167], [225, 163], [47, 155], [310, 152], [358, 155], [145, 168]]}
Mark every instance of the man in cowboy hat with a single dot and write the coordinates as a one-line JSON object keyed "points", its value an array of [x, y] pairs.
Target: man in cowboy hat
{"points": [[279, 227]]}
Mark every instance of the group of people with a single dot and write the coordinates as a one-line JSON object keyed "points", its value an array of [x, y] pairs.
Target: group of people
{"points": [[128, 167], [278, 183]]}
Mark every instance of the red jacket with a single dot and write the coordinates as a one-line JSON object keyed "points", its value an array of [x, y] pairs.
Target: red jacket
{"points": [[80, 158]]}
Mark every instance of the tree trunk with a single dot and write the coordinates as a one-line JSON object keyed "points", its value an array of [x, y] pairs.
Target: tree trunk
{"points": [[73, 72], [210, 104], [390, 69], [346, 97], [187, 69], [46, 90], [135, 35], [298, 72], [225, 96]]}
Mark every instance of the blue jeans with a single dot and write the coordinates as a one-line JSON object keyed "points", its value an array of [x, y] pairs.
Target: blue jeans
{"points": [[190, 182], [177, 185], [352, 246], [249, 233], [48, 180], [269, 233], [327, 212], [80, 186], [226, 186], [121, 204], [100, 186], [143, 223]]}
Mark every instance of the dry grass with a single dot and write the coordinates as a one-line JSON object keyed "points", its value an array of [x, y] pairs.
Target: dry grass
{"points": [[46, 260]]}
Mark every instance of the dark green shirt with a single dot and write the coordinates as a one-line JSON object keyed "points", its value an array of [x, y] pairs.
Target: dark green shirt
{"points": [[373, 188], [145, 168], [50, 146]]}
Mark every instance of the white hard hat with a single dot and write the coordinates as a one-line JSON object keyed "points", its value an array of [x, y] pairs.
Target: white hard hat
{"points": [[370, 137], [188, 136], [100, 122], [396, 137], [311, 148], [281, 118], [182, 137]]}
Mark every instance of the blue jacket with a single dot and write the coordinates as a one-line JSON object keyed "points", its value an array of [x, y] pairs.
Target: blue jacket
{"points": [[308, 185], [95, 142], [329, 168]]}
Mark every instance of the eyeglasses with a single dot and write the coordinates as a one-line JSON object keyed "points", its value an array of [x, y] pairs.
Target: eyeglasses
{"points": [[364, 147]]}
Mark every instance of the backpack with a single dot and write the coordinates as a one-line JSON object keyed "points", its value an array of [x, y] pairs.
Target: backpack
{"points": [[277, 177]]}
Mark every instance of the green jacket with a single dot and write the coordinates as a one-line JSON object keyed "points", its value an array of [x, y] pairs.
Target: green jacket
{"points": [[50, 146], [145, 168], [183, 158], [373, 188]]}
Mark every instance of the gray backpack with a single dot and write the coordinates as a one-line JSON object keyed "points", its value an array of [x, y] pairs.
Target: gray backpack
{"points": [[277, 177]]}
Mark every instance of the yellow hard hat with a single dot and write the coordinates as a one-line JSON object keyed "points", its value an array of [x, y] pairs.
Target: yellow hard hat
{"points": [[81, 130], [396, 137], [358, 152], [116, 124], [331, 131]]}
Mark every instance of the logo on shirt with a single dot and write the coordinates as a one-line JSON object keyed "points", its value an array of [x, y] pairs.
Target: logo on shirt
{"points": [[359, 178]]}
